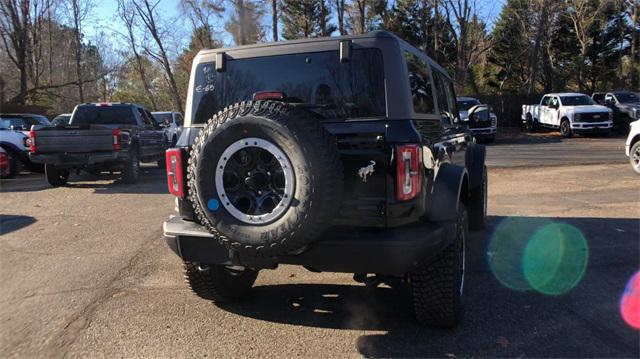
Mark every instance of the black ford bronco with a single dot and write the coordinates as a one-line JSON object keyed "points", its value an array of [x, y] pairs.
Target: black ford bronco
{"points": [[340, 154]]}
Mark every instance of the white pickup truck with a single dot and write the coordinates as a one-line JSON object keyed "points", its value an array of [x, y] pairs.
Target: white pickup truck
{"points": [[570, 113]]}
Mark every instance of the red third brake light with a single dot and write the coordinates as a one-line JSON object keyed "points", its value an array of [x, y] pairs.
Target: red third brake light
{"points": [[117, 139], [269, 95], [32, 141], [175, 180], [408, 172]]}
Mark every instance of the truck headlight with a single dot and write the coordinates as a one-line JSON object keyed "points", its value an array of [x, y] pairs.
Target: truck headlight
{"points": [[577, 117]]}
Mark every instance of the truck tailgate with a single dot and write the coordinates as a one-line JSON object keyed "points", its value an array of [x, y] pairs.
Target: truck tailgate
{"points": [[72, 139]]}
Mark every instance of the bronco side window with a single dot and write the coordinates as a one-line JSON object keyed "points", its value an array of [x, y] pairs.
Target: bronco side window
{"points": [[420, 83]]}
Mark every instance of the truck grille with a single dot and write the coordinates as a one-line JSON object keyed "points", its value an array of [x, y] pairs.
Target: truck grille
{"points": [[594, 117], [479, 124]]}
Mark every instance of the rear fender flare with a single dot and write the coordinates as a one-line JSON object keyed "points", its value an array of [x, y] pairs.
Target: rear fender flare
{"points": [[449, 189]]}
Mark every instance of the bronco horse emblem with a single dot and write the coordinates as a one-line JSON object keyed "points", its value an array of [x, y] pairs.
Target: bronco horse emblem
{"points": [[366, 171]]}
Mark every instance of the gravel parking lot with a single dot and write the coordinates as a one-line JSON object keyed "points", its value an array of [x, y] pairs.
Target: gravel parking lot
{"points": [[86, 272]]}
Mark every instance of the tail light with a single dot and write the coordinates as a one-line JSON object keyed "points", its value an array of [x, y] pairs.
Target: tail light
{"points": [[408, 172], [117, 139], [31, 142], [175, 180]]}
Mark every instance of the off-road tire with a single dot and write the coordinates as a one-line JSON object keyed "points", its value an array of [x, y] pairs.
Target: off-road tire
{"points": [[565, 128], [131, 171], [437, 286], [314, 157], [634, 157], [56, 176], [478, 204], [217, 283]]}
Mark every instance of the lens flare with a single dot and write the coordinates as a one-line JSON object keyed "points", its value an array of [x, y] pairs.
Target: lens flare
{"points": [[507, 247], [536, 254], [555, 259], [630, 302]]}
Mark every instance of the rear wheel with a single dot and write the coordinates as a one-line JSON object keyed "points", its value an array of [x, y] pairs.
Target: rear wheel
{"points": [[530, 124], [219, 283], [565, 129], [131, 171], [56, 176], [634, 157], [438, 286]]}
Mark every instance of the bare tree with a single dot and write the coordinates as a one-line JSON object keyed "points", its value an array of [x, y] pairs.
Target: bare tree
{"points": [[583, 16], [245, 22], [146, 11], [200, 14], [16, 21], [459, 14], [127, 15]]}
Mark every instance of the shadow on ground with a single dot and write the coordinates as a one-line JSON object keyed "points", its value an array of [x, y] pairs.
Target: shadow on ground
{"points": [[10, 223], [152, 181], [499, 320]]}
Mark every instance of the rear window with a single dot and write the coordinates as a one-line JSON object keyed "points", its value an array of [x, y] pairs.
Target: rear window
{"points": [[338, 90], [465, 105], [103, 115], [161, 117]]}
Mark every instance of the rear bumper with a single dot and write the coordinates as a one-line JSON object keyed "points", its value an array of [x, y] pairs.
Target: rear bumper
{"points": [[78, 159], [348, 250]]}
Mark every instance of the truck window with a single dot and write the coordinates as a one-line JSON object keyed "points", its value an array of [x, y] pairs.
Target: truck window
{"points": [[340, 90], [545, 101], [179, 119], [420, 83], [103, 115], [146, 119]]}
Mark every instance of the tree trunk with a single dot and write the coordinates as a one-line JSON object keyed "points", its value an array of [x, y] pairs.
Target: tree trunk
{"points": [[242, 22], [78, 46], [323, 18], [340, 12], [362, 12], [635, 43], [541, 32], [274, 19]]}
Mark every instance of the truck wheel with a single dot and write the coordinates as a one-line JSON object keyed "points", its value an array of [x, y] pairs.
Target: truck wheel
{"points": [[478, 204], [438, 286], [634, 157], [565, 129], [219, 283], [131, 171], [265, 177], [530, 124], [56, 176]]}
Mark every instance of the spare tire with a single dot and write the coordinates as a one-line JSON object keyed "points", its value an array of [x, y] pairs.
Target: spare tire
{"points": [[265, 177]]}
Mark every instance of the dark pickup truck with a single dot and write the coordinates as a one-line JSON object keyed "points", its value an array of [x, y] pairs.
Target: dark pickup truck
{"points": [[113, 137]]}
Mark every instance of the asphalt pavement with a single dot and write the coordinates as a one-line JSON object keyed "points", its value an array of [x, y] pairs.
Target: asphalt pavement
{"points": [[85, 272]]}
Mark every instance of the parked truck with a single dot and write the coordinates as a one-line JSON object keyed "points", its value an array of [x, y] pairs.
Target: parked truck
{"points": [[570, 113], [113, 137], [482, 121]]}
